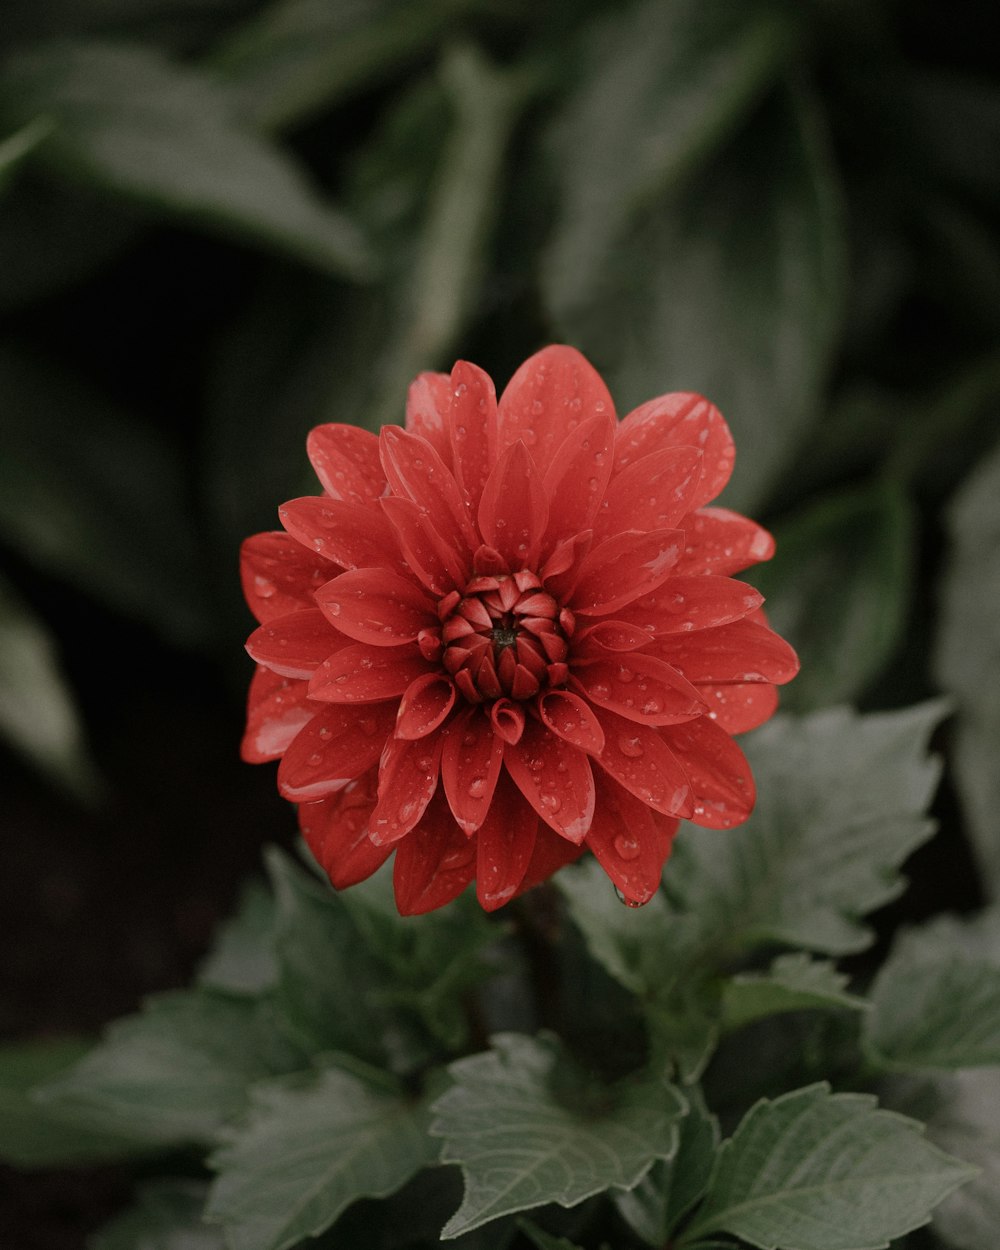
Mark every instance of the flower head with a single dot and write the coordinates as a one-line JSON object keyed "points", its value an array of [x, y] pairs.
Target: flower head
{"points": [[508, 633]]}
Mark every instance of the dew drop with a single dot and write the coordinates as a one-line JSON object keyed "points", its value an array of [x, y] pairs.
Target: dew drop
{"points": [[626, 846], [552, 802], [333, 607], [314, 760], [625, 674], [263, 587], [477, 787], [630, 746]]}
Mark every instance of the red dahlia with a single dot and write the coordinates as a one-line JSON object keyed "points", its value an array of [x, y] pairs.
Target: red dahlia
{"points": [[508, 633]]}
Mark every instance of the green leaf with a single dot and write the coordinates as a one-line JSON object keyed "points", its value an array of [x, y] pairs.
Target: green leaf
{"points": [[33, 1135], [521, 1145], [169, 1076], [742, 306], [37, 713], [819, 1171], [860, 541], [14, 148], [127, 119], [936, 1000], [967, 1122], [543, 1240], [166, 1215], [967, 648], [311, 1145], [663, 85], [794, 982], [242, 959]]}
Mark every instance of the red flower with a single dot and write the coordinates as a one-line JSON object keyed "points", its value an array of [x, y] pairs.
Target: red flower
{"points": [[509, 633]]}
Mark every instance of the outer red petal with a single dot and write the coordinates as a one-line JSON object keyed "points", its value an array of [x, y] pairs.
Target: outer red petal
{"points": [[352, 535], [576, 479], [596, 640], [740, 652], [688, 603], [654, 493], [723, 542], [504, 844], [550, 854], [640, 688], [276, 711], [376, 606], [295, 645], [408, 777], [623, 568], [417, 472], [628, 843], [470, 766], [428, 556], [571, 718], [428, 402], [720, 775], [364, 674], [679, 420], [549, 395], [514, 510], [434, 863], [424, 705], [346, 462], [473, 426], [278, 576], [555, 778], [339, 743], [336, 831], [637, 757], [740, 707]]}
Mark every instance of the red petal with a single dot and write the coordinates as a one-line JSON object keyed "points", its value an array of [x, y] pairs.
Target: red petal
{"points": [[336, 831], [346, 462], [594, 641], [470, 765], [508, 719], [723, 542], [654, 493], [278, 576], [623, 568], [408, 777], [424, 705], [428, 402], [637, 757], [720, 776], [364, 674], [555, 778], [276, 711], [354, 536], [295, 645], [434, 863], [376, 606], [417, 472], [473, 425], [549, 395], [739, 652], [504, 847], [339, 744], [679, 420], [688, 603], [514, 511], [738, 708], [628, 843], [576, 479], [640, 688], [550, 854], [561, 570], [571, 719], [427, 555]]}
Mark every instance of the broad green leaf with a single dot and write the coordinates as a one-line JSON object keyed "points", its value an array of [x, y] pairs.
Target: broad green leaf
{"points": [[242, 959], [169, 1076], [311, 1145], [15, 147], [819, 1171], [840, 804], [543, 1240], [861, 543], [166, 1215], [704, 295], [968, 648], [33, 1135], [794, 982], [93, 495], [967, 1122], [521, 1145], [936, 1000], [662, 86], [129, 120], [37, 713]]}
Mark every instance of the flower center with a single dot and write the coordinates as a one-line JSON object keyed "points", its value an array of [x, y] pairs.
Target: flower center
{"points": [[504, 636]]}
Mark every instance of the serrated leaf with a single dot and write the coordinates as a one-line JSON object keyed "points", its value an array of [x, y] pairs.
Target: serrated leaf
{"points": [[242, 959], [968, 647], [967, 1122], [936, 1000], [794, 982], [860, 541], [813, 1170], [310, 1146], [166, 1215], [127, 119], [743, 307], [520, 1146], [171, 1075]]}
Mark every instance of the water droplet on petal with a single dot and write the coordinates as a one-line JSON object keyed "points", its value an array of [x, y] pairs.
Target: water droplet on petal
{"points": [[626, 846], [630, 747], [477, 786], [263, 587], [314, 760]]}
